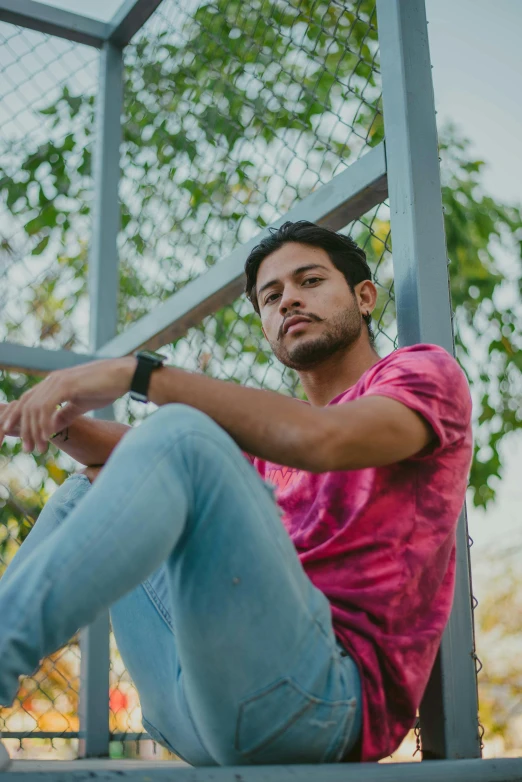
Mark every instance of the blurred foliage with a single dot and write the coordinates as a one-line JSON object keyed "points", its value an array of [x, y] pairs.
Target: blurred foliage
{"points": [[497, 620]]}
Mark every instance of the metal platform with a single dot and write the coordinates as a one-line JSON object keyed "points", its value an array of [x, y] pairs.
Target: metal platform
{"points": [[502, 770]]}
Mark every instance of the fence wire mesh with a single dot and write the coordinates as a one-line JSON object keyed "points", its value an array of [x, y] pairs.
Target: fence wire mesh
{"points": [[233, 112], [46, 185]]}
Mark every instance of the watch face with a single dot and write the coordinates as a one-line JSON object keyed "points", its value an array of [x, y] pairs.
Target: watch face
{"points": [[151, 355]]}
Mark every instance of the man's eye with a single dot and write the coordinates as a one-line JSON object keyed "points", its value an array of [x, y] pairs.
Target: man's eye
{"points": [[308, 279]]}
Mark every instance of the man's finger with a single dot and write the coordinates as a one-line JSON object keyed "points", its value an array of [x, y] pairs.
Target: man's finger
{"points": [[8, 416], [30, 414], [25, 431], [43, 431]]}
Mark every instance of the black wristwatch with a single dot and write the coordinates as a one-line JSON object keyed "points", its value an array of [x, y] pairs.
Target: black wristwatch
{"points": [[148, 361]]}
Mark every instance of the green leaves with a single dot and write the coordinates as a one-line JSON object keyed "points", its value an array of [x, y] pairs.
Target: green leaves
{"points": [[484, 241]]}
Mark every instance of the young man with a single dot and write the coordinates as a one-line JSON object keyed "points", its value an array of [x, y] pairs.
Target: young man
{"points": [[256, 632]]}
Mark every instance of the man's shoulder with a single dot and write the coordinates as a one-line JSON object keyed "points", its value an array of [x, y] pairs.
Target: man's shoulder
{"points": [[420, 359]]}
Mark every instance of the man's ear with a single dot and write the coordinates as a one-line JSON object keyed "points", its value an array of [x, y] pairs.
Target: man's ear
{"points": [[366, 293]]}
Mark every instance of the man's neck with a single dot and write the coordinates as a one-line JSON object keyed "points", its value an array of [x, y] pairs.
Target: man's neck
{"points": [[337, 373]]}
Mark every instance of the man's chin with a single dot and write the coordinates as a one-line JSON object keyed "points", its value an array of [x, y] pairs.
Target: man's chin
{"points": [[305, 355]]}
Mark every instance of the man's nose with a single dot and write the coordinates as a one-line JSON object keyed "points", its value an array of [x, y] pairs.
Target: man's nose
{"points": [[290, 300]]}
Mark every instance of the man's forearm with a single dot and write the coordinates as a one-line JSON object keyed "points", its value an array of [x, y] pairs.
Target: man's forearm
{"points": [[90, 440], [263, 423]]}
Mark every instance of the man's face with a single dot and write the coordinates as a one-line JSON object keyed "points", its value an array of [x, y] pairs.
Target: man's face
{"points": [[297, 280]]}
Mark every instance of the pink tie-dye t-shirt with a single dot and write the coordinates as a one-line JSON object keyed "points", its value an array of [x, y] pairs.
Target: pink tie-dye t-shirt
{"points": [[380, 542]]}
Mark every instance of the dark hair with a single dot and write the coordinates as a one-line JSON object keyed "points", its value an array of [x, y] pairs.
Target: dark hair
{"points": [[343, 252]]}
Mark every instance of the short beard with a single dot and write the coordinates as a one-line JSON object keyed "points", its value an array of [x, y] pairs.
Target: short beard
{"points": [[341, 332]]}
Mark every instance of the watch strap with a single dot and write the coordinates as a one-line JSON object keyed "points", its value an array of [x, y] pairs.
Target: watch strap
{"points": [[147, 363]]}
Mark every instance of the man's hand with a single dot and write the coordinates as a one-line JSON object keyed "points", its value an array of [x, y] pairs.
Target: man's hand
{"points": [[87, 387]]}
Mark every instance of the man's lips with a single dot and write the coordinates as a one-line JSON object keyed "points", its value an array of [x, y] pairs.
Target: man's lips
{"points": [[294, 322]]}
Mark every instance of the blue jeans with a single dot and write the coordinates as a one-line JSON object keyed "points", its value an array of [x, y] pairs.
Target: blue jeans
{"points": [[230, 645]]}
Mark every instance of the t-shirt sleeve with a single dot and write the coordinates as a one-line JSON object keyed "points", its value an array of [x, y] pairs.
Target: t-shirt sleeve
{"points": [[431, 382]]}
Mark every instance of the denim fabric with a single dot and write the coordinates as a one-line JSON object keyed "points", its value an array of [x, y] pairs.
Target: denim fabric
{"points": [[230, 645]]}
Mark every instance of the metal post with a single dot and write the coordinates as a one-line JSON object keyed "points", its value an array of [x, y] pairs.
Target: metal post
{"points": [[103, 289], [449, 723]]}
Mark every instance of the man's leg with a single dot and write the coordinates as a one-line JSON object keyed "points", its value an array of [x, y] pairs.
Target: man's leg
{"points": [[54, 512], [263, 676], [145, 635]]}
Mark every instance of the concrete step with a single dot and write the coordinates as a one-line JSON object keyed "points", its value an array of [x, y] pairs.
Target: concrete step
{"points": [[501, 770]]}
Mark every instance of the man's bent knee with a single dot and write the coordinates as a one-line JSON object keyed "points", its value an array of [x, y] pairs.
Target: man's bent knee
{"points": [[182, 418]]}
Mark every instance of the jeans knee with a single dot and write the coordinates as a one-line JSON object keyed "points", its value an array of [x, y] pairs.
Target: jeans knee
{"points": [[180, 418]]}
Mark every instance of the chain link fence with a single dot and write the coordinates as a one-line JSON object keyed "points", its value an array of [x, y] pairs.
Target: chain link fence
{"points": [[233, 112]]}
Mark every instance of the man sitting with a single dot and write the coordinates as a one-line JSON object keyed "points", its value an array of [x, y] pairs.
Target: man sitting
{"points": [[301, 630]]}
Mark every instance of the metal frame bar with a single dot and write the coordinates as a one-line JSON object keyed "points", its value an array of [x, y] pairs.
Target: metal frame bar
{"points": [[103, 258], [103, 291], [74, 734], [39, 361], [449, 713], [54, 21], [346, 197], [129, 18]]}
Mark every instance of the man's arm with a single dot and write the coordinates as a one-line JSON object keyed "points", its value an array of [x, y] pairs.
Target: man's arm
{"points": [[370, 431], [88, 440], [367, 432]]}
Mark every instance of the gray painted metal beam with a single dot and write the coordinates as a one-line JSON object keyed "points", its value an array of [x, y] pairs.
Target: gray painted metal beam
{"points": [[94, 688], [498, 770], [344, 198], [129, 18], [39, 361], [54, 21], [103, 256], [449, 722], [103, 291]]}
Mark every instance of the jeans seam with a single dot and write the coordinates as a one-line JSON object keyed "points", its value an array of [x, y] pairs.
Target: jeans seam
{"points": [[157, 603], [170, 746], [64, 500], [345, 737]]}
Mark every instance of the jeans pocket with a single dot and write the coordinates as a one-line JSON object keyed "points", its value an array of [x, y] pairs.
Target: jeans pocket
{"points": [[285, 724]]}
